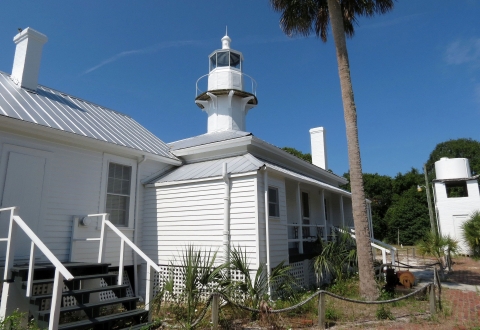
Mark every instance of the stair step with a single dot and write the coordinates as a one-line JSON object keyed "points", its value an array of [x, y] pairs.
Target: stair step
{"points": [[76, 278], [45, 271], [92, 305], [141, 326], [82, 291], [88, 323]]}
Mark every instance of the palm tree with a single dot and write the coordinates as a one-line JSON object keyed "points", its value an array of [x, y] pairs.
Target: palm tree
{"points": [[307, 16]]}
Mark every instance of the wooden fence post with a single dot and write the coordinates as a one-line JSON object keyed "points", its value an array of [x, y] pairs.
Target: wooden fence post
{"points": [[321, 310], [432, 299], [215, 311]]}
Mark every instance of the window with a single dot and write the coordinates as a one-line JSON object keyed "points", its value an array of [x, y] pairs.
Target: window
{"points": [[456, 189], [118, 193], [273, 202], [225, 58]]}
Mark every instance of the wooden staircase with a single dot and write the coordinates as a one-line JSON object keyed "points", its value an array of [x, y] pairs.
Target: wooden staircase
{"points": [[92, 300]]}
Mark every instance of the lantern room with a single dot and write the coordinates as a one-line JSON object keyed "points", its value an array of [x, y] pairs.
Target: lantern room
{"points": [[226, 101]]}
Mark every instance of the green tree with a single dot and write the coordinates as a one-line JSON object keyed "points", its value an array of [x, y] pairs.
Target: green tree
{"points": [[459, 148], [404, 182], [297, 153], [307, 16], [409, 215], [379, 190]]}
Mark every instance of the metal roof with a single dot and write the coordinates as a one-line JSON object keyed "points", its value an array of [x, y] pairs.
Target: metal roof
{"points": [[53, 109], [207, 138], [210, 169], [235, 165], [306, 179]]}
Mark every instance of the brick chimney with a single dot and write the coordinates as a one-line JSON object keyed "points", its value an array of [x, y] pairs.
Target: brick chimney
{"points": [[26, 64], [319, 147]]}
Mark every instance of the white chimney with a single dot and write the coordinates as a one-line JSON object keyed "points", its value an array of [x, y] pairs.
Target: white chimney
{"points": [[28, 53], [319, 147]]}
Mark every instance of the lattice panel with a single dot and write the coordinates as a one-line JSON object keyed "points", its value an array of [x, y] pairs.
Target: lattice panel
{"points": [[109, 295], [45, 304], [297, 271], [159, 279]]}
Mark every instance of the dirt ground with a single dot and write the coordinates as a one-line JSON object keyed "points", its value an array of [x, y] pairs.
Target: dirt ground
{"points": [[461, 309]]}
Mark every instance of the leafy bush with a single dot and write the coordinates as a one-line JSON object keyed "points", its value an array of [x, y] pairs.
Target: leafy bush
{"points": [[471, 234], [384, 313], [337, 259], [14, 322]]}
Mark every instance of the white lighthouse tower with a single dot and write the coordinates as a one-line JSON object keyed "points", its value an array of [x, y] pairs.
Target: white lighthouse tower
{"points": [[226, 101]]}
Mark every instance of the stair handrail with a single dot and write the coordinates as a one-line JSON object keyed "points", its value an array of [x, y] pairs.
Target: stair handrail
{"points": [[382, 246], [60, 271], [124, 239]]}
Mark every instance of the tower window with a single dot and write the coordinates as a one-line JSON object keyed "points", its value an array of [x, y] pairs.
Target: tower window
{"points": [[222, 59], [456, 189], [225, 58], [235, 60]]}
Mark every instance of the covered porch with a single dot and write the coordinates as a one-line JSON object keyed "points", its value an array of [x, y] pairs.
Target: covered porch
{"points": [[314, 211]]}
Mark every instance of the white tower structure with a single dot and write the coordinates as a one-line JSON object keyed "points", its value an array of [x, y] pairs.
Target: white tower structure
{"points": [[457, 195], [226, 101]]}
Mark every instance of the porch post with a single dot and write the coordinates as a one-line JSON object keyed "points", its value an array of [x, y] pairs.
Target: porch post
{"points": [[322, 213], [342, 213], [300, 222]]}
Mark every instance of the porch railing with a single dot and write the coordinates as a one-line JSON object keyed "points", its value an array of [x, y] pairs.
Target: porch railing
{"points": [[106, 224], [297, 233], [61, 272]]}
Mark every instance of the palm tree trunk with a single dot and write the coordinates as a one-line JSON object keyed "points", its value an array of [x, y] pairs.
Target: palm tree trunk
{"points": [[368, 287]]}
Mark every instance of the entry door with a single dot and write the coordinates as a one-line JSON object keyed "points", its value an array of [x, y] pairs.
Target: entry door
{"points": [[23, 188], [458, 221]]}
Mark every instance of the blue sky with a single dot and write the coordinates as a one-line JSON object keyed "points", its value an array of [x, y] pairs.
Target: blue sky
{"points": [[415, 70]]}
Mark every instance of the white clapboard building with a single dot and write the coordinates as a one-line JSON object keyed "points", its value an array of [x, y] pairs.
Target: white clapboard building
{"points": [[66, 162]]}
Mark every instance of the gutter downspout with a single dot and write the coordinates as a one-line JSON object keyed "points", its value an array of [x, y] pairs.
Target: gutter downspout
{"points": [[135, 227], [267, 232], [226, 215]]}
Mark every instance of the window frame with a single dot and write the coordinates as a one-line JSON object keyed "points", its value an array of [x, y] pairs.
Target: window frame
{"points": [[277, 204], [130, 221]]}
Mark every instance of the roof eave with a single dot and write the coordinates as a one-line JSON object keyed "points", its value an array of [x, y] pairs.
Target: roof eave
{"points": [[214, 146], [269, 147]]}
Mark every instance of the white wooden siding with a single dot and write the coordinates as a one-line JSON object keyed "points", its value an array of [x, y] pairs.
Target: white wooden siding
{"points": [[192, 213], [176, 216], [278, 228], [74, 188]]}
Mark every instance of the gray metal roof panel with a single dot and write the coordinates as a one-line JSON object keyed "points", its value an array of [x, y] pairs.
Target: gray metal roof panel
{"points": [[235, 165], [207, 138], [51, 108], [210, 168], [305, 178]]}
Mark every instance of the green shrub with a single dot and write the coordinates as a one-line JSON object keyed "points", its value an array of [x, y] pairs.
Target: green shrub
{"points": [[471, 234], [384, 313]]}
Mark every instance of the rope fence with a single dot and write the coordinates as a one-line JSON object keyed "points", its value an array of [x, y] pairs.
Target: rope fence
{"points": [[213, 300]]}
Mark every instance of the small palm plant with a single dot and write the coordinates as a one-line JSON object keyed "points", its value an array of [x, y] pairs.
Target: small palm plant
{"points": [[471, 234], [438, 247], [198, 273], [337, 259], [254, 289]]}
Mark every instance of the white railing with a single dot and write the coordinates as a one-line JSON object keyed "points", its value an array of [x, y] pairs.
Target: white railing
{"points": [[384, 247], [252, 90], [123, 240], [60, 271]]}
